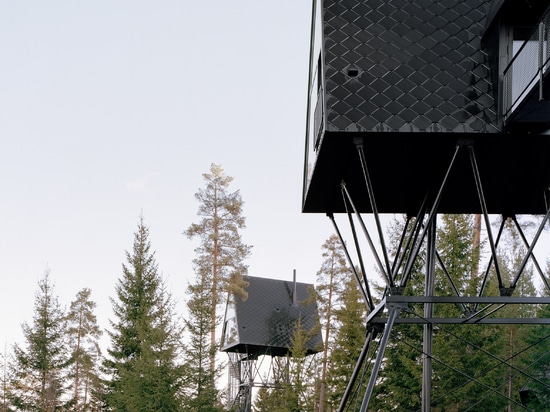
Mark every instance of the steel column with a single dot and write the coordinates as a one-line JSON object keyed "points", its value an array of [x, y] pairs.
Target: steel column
{"points": [[371, 335], [428, 327], [393, 313]]}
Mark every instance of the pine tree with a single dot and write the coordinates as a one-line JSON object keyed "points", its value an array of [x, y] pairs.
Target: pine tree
{"points": [[221, 254], [330, 281], [84, 334], [4, 382], [39, 369], [145, 375]]}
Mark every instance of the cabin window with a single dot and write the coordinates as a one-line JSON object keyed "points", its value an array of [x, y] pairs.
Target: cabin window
{"points": [[230, 333]]}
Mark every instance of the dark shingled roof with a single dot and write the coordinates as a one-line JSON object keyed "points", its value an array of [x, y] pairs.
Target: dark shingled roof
{"points": [[264, 323]]}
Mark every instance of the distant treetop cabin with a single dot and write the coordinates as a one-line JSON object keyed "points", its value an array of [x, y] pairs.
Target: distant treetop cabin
{"points": [[265, 322], [414, 78]]}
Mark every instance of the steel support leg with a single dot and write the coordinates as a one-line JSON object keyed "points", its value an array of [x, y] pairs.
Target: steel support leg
{"points": [[428, 314], [393, 312], [357, 370], [529, 253], [431, 218]]}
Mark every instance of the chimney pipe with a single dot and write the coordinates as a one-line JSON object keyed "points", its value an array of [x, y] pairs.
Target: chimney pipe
{"points": [[294, 291]]}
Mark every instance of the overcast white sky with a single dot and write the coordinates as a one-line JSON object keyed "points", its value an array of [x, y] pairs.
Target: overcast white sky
{"points": [[110, 108]]}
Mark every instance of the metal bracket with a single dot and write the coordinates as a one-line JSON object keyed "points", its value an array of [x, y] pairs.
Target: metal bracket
{"points": [[358, 141], [397, 290], [398, 306], [376, 328], [507, 291]]}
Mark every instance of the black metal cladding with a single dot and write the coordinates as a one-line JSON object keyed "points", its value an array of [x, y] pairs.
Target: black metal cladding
{"points": [[413, 79], [418, 66], [267, 319]]}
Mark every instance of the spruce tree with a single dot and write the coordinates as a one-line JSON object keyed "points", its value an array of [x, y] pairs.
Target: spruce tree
{"points": [[200, 392], [221, 253], [475, 367], [276, 398], [536, 390], [145, 338], [300, 387], [399, 386], [349, 339], [38, 379], [485, 382], [515, 338], [455, 345], [84, 334]]}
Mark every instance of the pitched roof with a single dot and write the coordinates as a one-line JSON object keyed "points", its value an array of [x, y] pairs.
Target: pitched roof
{"points": [[266, 320]]}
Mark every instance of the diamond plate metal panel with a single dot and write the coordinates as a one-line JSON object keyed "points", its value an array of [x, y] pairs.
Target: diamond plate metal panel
{"points": [[420, 64]]}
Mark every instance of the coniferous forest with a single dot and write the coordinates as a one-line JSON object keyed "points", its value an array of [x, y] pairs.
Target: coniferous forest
{"points": [[159, 360]]}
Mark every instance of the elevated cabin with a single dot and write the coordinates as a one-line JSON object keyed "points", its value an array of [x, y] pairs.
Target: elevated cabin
{"points": [[265, 322], [409, 80]]}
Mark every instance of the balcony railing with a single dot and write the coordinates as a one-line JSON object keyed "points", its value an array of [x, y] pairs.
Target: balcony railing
{"points": [[527, 69]]}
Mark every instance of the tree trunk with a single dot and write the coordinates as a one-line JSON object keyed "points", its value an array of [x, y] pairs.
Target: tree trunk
{"points": [[214, 295], [511, 376], [476, 245], [77, 364], [327, 333]]}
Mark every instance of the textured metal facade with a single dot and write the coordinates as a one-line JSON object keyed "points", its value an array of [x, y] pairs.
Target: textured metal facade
{"points": [[411, 80], [407, 66], [267, 318]]}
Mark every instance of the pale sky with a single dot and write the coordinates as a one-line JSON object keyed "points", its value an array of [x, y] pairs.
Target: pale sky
{"points": [[113, 108]]}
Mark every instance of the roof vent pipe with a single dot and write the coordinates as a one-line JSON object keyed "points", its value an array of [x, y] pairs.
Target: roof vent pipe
{"points": [[294, 290]]}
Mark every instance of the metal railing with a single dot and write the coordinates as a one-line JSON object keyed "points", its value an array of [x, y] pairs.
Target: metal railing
{"points": [[528, 67]]}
